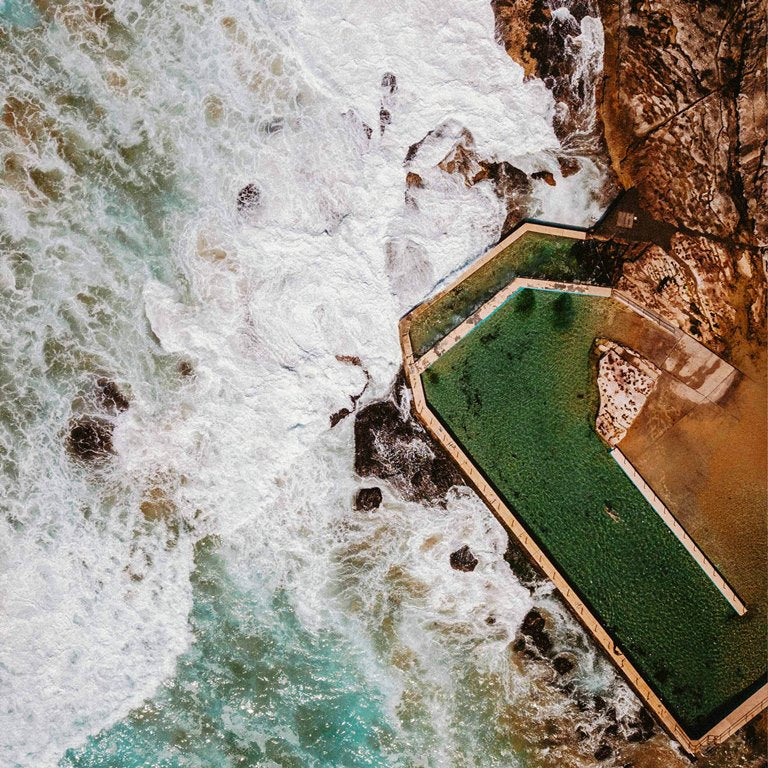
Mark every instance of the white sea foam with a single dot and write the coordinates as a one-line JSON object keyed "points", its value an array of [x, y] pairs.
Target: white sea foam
{"points": [[94, 600]]}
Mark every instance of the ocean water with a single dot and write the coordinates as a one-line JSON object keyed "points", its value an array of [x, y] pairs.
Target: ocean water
{"points": [[207, 596]]}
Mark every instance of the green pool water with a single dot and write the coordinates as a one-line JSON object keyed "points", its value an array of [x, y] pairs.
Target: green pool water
{"points": [[519, 394]]}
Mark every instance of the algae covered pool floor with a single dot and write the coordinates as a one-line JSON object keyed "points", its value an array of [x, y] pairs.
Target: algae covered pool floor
{"points": [[519, 394]]}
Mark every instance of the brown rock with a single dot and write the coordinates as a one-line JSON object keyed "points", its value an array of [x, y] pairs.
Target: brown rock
{"points": [[340, 415], [684, 111], [546, 176], [368, 499], [463, 560], [603, 752], [568, 165]]}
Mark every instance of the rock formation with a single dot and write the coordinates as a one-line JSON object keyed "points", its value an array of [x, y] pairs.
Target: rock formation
{"points": [[624, 381], [390, 444], [463, 560]]}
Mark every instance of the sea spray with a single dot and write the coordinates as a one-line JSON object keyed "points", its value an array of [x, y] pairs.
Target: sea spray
{"points": [[129, 132]]}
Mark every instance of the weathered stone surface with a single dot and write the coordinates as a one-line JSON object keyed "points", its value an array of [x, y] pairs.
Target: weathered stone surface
{"points": [[684, 110], [714, 290], [463, 559], [368, 499], [391, 444], [625, 379]]}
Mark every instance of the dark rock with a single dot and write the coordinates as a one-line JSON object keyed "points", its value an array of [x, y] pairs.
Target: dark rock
{"points": [[248, 198], [490, 620], [534, 628], [368, 499], [546, 176], [185, 368], [110, 397], [391, 444], [90, 438], [603, 752], [339, 416], [463, 560], [642, 727], [385, 118], [389, 82], [563, 664], [521, 566], [582, 734]]}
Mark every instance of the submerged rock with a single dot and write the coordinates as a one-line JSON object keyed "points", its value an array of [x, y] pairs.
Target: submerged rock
{"points": [[463, 560], [90, 438], [603, 752], [563, 663], [368, 499], [389, 82], [109, 396]]}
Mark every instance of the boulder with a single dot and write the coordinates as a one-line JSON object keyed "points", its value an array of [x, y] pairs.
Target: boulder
{"points": [[463, 560], [90, 438], [368, 499], [534, 628], [391, 444]]}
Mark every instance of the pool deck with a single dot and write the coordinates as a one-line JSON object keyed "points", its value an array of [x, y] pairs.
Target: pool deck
{"points": [[714, 375]]}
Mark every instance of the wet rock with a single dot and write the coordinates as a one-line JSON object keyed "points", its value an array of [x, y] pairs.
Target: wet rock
{"points": [[368, 499], [391, 444], [385, 118], [340, 415], [521, 566], [248, 198], [603, 752], [461, 159], [545, 176], [109, 396], [463, 560], [90, 438], [642, 727], [534, 628], [389, 83], [563, 664], [568, 165]]}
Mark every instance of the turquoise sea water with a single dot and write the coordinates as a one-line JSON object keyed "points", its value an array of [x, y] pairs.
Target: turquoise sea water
{"points": [[256, 688]]}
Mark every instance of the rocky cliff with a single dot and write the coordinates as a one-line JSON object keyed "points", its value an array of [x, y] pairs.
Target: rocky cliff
{"points": [[682, 116]]}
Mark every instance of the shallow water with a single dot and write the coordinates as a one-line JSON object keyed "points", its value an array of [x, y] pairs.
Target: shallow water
{"points": [[128, 131]]}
